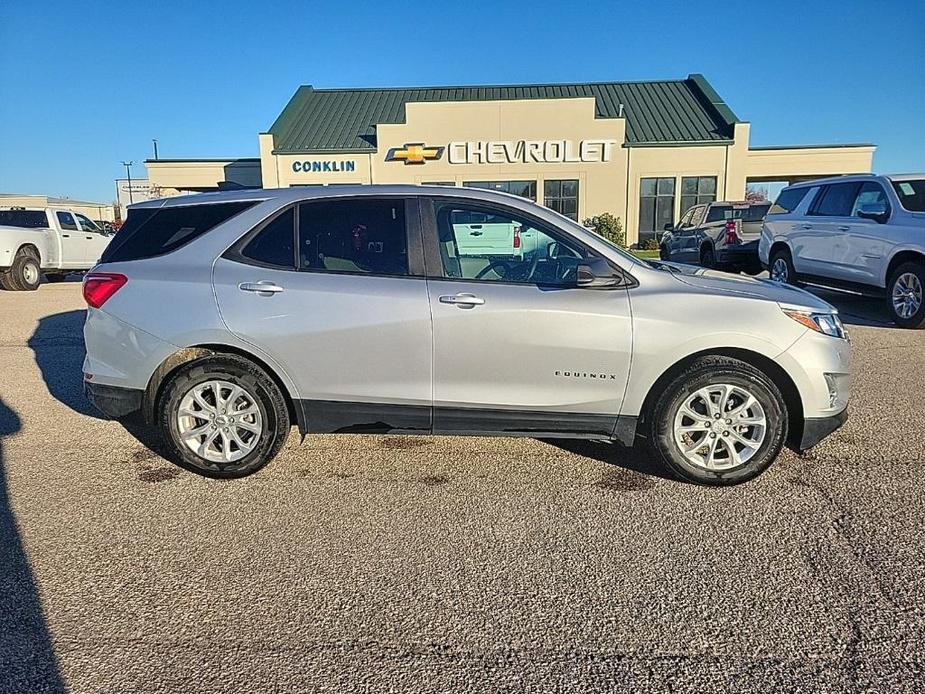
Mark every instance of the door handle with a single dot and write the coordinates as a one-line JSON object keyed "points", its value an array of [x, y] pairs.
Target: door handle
{"points": [[462, 300], [90, 238], [65, 236], [844, 227], [261, 287], [475, 226], [806, 226]]}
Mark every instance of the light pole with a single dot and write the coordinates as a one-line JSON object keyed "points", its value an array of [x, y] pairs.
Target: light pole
{"points": [[155, 149], [128, 173]]}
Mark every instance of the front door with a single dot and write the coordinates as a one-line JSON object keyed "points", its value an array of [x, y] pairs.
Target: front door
{"points": [[518, 348], [345, 313]]}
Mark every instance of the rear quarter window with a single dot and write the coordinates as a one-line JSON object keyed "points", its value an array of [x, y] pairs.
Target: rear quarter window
{"points": [[150, 232], [911, 194], [788, 200]]}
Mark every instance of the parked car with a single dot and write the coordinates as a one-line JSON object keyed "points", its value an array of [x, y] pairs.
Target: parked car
{"points": [[721, 235], [272, 309], [51, 240], [861, 233]]}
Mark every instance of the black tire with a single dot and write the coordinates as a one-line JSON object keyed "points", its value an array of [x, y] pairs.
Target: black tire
{"points": [[6, 282], [663, 253], [257, 385], [783, 255], [707, 257], [25, 273], [917, 270], [714, 370]]}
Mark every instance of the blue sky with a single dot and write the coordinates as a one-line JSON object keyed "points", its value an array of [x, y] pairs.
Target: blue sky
{"points": [[84, 86]]}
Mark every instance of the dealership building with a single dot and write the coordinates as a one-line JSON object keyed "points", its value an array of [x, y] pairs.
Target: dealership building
{"points": [[643, 151]]}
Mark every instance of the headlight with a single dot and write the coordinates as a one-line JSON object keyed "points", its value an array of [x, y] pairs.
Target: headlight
{"points": [[825, 323]]}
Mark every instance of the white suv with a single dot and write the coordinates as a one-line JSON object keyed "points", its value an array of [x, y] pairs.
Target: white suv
{"points": [[861, 233]]}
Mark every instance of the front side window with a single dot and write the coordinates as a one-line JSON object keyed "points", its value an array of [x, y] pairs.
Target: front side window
{"points": [[525, 189], [656, 205], [836, 200], [87, 224], [697, 190], [491, 246], [870, 194], [355, 236], [911, 194], [273, 245], [66, 221], [562, 196]]}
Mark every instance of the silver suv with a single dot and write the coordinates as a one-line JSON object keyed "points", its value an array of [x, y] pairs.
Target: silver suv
{"points": [[224, 318], [862, 233]]}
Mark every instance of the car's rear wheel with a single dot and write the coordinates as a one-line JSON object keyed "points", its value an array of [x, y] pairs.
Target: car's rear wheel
{"points": [[780, 267], [720, 422], [905, 295], [663, 252], [223, 416], [24, 274], [707, 256]]}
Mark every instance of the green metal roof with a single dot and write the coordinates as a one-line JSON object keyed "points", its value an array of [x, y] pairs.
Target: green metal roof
{"points": [[656, 112]]}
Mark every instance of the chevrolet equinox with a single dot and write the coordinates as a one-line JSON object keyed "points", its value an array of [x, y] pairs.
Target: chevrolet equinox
{"points": [[225, 318]]}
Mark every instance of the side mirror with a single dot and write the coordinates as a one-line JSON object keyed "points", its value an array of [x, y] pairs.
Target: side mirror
{"points": [[669, 227], [877, 211], [596, 273]]}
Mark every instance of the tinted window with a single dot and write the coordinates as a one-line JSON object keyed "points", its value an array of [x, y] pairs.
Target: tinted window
{"points": [[273, 245], [87, 224], [870, 193], [562, 196], [525, 189], [836, 200], [696, 190], [66, 221], [27, 219], [149, 232], [911, 194], [788, 200], [365, 236], [750, 213], [656, 205], [510, 249]]}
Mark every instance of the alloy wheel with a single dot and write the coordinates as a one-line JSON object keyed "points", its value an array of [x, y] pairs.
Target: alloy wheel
{"points": [[907, 295], [720, 427], [219, 421], [779, 270]]}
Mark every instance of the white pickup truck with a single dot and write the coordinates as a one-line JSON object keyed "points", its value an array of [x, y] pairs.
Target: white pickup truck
{"points": [[50, 240]]}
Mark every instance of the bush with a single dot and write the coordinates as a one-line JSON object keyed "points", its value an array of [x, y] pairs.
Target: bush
{"points": [[608, 226], [648, 245]]}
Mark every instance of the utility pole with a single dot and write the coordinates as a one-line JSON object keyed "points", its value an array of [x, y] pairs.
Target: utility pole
{"points": [[155, 149], [128, 173]]}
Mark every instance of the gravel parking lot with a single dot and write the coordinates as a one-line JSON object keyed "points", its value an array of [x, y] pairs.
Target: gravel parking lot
{"points": [[452, 564]]}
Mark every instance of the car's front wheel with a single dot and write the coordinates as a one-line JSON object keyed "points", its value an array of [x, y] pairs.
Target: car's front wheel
{"points": [[223, 416], [720, 422], [904, 295]]}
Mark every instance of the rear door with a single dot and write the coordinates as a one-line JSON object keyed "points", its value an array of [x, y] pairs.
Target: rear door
{"points": [[518, 349], [824, 226], [96, 239], [344, 310]]}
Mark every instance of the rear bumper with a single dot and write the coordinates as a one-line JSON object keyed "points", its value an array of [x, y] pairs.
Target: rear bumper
{"points": [[114, 401], [740, 254], [817, 428]]}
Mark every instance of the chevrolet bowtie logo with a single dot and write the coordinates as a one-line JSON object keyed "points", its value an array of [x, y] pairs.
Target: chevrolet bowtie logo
{"points": [[414, 153]]}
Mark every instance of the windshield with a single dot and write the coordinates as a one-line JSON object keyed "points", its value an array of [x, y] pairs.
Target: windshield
{"points": [[751, 213], [610, 244], [911, 194]]}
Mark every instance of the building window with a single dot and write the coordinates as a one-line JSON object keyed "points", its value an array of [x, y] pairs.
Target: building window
{"points": [[562, 196], [656, 205], [438, 183], [525, 189], [696, 190]]}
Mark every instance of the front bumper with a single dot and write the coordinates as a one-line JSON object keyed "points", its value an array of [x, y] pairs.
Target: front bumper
{"points": [[113, 401], [817, 428]]}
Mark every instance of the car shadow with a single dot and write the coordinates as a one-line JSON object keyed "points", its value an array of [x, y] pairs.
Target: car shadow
{"points": [[58, 346], [27, 659], [855, 309], [635, 460]]}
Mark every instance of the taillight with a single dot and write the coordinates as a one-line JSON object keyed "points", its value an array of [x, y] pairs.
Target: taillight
{"points": [[100, 286], [516, 237], [732, 237]]}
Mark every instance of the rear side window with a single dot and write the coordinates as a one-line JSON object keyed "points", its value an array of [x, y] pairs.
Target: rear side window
{"points": [[355, 236], [911, 194], [150, 232], [273, 245], [788, 200], [27, 219], [836, 200]]}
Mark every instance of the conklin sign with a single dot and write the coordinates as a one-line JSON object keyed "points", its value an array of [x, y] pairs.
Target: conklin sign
{"points": [[507, 152]]}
